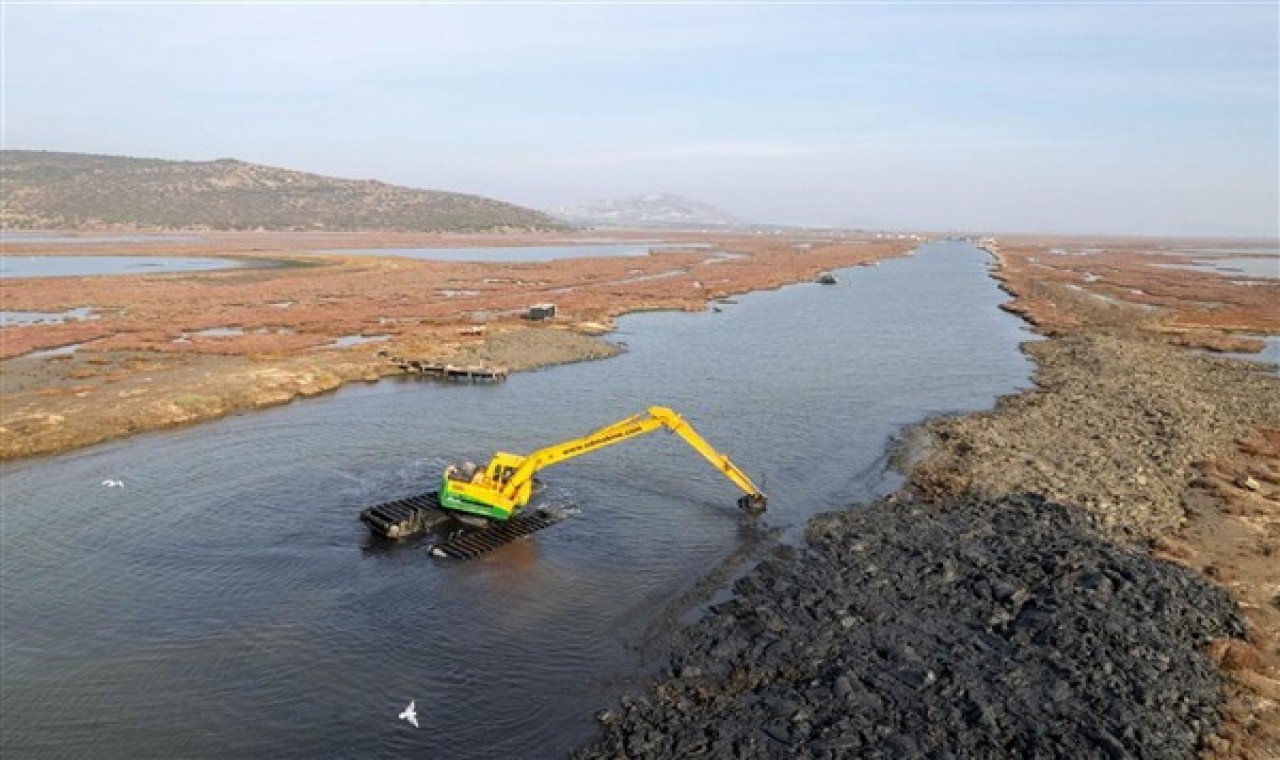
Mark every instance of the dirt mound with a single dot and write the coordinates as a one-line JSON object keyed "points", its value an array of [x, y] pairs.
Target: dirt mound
{"points": [[527, 349], [999, 628]]}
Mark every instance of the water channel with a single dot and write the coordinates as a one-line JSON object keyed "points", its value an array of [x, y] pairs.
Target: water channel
{"points": [[226, 602], [1248, 266]]}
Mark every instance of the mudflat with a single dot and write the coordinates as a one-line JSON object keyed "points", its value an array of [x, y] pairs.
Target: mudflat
{"points": [[155, 350]]}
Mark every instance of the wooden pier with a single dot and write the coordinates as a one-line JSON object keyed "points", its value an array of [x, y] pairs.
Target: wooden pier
{"points": [[470, 374]]}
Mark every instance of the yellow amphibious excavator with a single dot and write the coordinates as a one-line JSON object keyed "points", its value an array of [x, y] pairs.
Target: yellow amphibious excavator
{"points": [[493, 495], [506, 483]]}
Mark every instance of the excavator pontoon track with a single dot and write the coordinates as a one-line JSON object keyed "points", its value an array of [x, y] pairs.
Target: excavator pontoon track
{"points": [[406, 517], [475, 542], [422, 513]]}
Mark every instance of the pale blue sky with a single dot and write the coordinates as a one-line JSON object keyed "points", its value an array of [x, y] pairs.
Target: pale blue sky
{"points": [[1115, 117]]}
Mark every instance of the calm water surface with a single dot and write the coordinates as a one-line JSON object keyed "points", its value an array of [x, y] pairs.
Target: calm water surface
{"points": [[61, 238], [227, 602], [79, 266], [1261, 265], [1270, 353], [19, 318]]}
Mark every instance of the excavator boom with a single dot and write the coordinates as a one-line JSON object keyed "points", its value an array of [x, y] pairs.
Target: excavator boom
{"points": [[753, 500], [506, 483]]}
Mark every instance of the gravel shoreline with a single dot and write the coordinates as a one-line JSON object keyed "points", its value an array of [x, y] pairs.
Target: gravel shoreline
{"points": [[1114, 427]]}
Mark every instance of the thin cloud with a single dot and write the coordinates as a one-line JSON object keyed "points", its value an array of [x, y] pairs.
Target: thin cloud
{"points": [[759, 104], [885, 141]]}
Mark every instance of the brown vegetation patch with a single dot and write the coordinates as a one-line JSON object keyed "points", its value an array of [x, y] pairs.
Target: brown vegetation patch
{"points": [[1233, 535], [1062, 284]]}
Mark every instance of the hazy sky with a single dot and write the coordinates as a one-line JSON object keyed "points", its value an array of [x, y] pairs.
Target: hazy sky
{"points": [[1106, 117]]}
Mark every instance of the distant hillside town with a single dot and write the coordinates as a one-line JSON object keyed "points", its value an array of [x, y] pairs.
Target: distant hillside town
{"points": [[647, 210]]}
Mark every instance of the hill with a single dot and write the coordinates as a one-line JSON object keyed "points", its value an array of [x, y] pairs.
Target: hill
{"points": [[647, 210], [48, 190]]}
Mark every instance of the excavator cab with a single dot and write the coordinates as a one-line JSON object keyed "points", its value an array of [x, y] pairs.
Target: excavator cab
{"points": [[480, 491]]}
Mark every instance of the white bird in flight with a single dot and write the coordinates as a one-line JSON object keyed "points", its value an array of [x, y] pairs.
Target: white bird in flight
{"points": [[410, 714], [113, 483]]}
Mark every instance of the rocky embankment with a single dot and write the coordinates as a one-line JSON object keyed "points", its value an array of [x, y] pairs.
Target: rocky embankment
{"points": [[970, 628], [1166, 450]]}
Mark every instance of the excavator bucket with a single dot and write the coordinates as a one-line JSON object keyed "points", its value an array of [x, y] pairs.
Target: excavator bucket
{"points": [[753, 504]]}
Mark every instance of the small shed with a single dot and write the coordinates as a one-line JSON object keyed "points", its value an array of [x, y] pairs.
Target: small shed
{"points": [[541, 311]]}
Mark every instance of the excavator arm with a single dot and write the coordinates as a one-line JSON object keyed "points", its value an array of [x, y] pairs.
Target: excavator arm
{"points": [[506, 483], [753, 501]]}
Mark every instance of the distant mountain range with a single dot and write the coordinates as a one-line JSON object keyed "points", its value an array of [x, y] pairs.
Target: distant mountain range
{"points": [[648, 210], [48, 190]]}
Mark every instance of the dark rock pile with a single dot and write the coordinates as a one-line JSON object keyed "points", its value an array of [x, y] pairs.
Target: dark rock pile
{"points": [[1001, 628]]}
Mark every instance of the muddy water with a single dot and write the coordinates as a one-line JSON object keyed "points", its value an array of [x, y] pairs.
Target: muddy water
{"points": [[226, 602]]}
